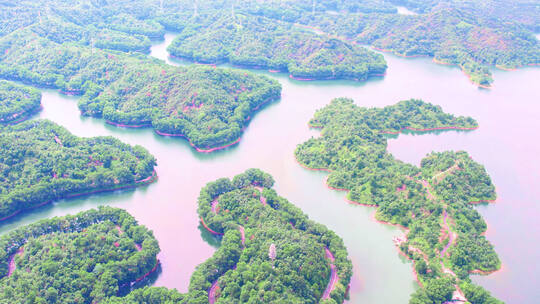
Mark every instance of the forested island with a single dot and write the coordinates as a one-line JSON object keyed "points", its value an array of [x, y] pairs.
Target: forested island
{"points": [[259, 42], [246, 39], [82, 258], [433, 203], [270, 251], [210, 107], [470, 35], [17, 102], [42, 162]]}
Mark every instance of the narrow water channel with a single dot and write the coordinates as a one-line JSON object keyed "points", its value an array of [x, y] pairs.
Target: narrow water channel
{"points": [[508, 116]]}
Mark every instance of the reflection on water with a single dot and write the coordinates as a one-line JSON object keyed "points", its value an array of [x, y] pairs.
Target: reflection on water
{"points": [[168, 207]]}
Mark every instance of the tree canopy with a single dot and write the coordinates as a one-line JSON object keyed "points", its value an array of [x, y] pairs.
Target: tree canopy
{"points": [[41, 161], [261, 42], [475, 36], [472, 35], [82, 258], [208, 106], [433, 203], [270, 251], [17, 102]]}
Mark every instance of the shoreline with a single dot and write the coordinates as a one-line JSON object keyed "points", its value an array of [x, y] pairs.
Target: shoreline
{"points": [[486, 201], [517, 67], [469, 76], [270, 70], [325, 180], [482, 272], [209, 150], [314, 127], [291, 76], [148, 273], [208, 228], [374, 218], [193, 61], [342, 38], [486, 272], [398, 54], [413, 262], [435, 61], [112, 123], [142, 277], [429, 129], [144, 181], [71, 93], [312, 169], [403, 228], [22, 116]]}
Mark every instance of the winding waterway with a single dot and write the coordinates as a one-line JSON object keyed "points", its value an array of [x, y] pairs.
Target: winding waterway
{"points": [[509, 117]]}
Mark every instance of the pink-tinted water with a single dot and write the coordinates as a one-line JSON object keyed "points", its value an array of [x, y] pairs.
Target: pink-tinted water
{"points": [[509, 117]]}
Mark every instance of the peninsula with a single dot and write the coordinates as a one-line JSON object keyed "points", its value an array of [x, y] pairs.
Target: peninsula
{"points": [[433, 203], [43, 162]]}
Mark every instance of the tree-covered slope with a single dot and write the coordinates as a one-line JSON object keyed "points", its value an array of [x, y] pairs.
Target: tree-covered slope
{"points": [[124, 25], [83, 258], [60, 31], [210, 107], [433, 203], [270, 251], [17, 102], [524, 12], [261, 42], [448, 33], [41, 161], [471, 34]]}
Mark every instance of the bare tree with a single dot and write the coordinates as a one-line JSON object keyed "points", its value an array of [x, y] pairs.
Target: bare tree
{"points": [[272, 252]]}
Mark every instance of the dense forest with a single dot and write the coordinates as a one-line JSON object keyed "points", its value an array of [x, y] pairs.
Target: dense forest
{"points": [[41, 162], [473, 39], [82, 258], [241, 39], [210, 107], [270, 251], [444, 233], [260, 42], [116, 25], [472, 35], [523, 12], [17, 102]]}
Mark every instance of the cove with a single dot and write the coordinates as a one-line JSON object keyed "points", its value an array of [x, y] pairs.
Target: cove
{"points": [[504, 143]]}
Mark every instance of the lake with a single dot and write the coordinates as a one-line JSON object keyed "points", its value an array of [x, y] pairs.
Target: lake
{"points": [[509, 117]]}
